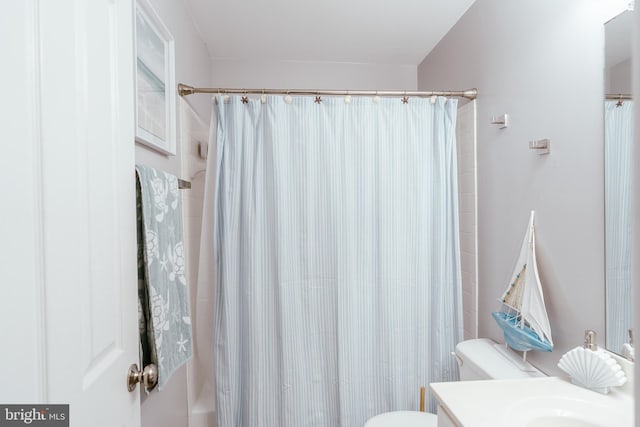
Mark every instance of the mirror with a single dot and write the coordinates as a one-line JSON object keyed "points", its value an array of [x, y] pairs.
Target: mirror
{"points": [[618, 126]]}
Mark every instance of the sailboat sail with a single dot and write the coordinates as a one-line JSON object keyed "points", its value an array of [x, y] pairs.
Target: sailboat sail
{"points": [[523, 317]]}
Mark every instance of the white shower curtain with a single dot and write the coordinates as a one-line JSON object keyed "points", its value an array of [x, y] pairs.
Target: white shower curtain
{"points": [[336, 249], [618, 146]]}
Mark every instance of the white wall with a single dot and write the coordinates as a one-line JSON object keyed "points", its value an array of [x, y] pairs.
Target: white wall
{"points": [[170, 407], [195, 130], [468, 218], [618, 78], [256, 74], [542, 62]]}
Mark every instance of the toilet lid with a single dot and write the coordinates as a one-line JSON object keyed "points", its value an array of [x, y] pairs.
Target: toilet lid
{"points": [[403, 419]]}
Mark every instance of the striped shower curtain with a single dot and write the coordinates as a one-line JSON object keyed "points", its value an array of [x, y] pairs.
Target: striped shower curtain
{"points": [[618, 154], [337, 290]]}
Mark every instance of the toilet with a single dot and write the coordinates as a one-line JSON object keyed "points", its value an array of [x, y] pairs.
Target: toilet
{"points": [[484, 359], [478, 359]]}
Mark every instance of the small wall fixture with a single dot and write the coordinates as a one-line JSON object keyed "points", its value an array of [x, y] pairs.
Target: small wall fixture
{"points": [[503, 121], [203, 149], [542, 146]]}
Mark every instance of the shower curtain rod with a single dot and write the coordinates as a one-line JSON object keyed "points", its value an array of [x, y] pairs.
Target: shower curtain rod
{"points": [[619, 96], [185, 90]]}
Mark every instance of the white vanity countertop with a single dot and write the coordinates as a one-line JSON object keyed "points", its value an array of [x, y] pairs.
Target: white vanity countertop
{"points": [[532, 401]]}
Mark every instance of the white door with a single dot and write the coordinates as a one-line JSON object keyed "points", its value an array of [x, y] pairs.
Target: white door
{"points": [[67, 218]]}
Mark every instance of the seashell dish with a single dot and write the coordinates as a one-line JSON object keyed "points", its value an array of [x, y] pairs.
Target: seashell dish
{"points": [[592, 369]]}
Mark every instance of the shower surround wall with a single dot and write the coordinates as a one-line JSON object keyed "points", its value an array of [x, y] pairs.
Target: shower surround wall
{"points": [[541, 62], [468, 218], [194, 130]]}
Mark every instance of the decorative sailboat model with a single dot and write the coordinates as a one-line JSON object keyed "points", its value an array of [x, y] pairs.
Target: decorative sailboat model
{"points": [[523, 316]]}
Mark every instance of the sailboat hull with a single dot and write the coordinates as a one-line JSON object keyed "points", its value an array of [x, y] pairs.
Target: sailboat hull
{"points": [[521, 339]]}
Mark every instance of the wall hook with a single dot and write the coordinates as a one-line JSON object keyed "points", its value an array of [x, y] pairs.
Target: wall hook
{"points": [[542, 146], [502, 120]]}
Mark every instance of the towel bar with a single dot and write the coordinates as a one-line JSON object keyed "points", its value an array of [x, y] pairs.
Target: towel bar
{"points": [[184, 185]]}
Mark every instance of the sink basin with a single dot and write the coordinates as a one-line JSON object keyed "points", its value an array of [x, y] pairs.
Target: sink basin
{"points": [[563, 412], [560, 422]]}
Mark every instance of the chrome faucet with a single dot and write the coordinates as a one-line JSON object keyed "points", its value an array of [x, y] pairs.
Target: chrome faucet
{"points": [[590, 341]]}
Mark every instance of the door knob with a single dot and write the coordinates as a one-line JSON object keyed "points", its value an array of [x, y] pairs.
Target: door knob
{"points": [[148, 376]]}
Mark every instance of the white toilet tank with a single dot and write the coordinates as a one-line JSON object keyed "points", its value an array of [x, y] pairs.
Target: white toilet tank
{"points": [[484, 359]]}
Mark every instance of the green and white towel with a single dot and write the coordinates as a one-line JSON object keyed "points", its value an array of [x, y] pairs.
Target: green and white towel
{"points": [[165, 322]]}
